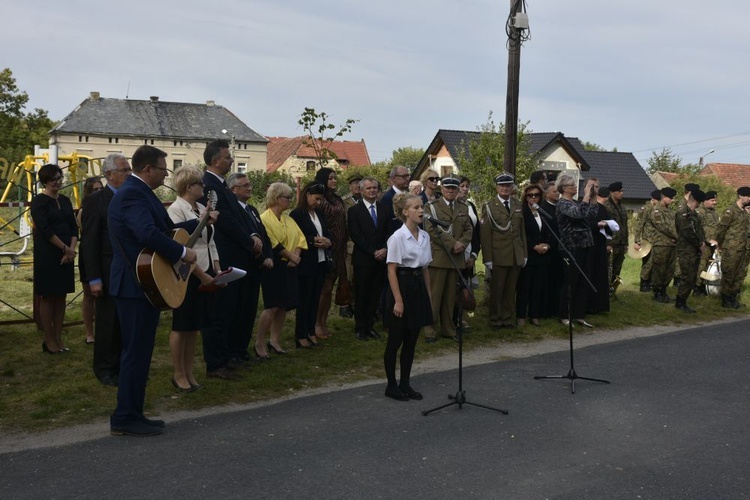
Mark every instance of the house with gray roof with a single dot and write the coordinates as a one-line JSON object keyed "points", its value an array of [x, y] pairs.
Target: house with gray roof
{"points": [[100, 126], [555, 153]]}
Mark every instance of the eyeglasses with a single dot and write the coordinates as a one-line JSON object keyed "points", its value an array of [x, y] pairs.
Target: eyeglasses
{"points": [[403, 176], [433, 179], [242, 185], [533, 195], [124, 170], [158, 168]]}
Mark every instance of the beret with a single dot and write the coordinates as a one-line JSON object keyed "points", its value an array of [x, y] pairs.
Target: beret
{"points": [[710, 195], [656, 194], [744, 191], [603, 192], [615, 186], [690, 187], [698, 195], [669, 192]]}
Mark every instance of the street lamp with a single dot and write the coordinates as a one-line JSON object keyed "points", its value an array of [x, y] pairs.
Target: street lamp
{"points": [[700, 160]]}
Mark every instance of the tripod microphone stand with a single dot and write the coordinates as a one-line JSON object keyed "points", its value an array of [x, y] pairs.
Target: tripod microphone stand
{"points": [[570, 261], [460, 397]]}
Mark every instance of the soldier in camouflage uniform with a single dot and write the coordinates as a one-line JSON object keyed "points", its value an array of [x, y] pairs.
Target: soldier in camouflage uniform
{"points": [[690, 243], [643, 231], [677, 207], [619, 242], [732, 237], [710, 222], [661, 222]]}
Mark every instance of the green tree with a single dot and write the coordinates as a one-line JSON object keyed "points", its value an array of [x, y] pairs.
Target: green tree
{"points": [[667, 161], [321, 133], [407, 156], [592, 146], [482, 158], [19, 131]]}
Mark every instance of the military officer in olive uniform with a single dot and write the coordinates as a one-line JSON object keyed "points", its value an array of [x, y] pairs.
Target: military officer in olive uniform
{"points": [[710, 222], [690, 244], [456, 237], [503, 240], [619, 241], [664, 239], [732, 236], [644, 231]]}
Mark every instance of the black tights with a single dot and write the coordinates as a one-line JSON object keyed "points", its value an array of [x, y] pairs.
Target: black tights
{"points": [[406, 340]]}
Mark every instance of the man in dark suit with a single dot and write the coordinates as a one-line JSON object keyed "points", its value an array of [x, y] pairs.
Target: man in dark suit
{"points": [[241, 330], [368, 226], [138, 220], [399, 177], [96, 252], [239, 242]]}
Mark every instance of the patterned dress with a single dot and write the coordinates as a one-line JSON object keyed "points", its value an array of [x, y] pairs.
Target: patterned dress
{"points": [[335, 211]]}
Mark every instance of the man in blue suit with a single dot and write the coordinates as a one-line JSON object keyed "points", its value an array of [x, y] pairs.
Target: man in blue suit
{"points": [[138, 220]]}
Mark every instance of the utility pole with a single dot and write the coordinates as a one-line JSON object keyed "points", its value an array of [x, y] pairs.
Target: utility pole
{"points": [[514, 28]]}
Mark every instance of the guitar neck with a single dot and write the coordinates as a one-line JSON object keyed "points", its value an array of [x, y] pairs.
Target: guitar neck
{"points": [[204, 220]]}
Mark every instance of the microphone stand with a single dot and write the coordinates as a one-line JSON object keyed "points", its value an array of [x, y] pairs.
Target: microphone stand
{"points": [[460, 397], [571, 375]]}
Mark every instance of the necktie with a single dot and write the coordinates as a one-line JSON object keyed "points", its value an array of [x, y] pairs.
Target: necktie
{"points": [[450, 205], [507, 205], [373, 214]]}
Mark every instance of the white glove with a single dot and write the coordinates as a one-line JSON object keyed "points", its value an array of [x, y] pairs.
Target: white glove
{"points": [[488, 265]]}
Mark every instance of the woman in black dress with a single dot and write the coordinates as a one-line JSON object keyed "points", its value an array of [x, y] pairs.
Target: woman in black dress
{"points": [[311, 271], [334, 210], [533, 280], [55, 240], [195, 311], [408, 305]]}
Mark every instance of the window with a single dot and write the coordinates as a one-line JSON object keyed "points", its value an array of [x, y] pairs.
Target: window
{"points": [[110, 140], [176, 164], [80, 138], [310, 166], [242, 167]]}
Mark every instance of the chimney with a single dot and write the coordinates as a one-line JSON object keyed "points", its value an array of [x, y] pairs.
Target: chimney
{"points": [[210, 103], [154, 99], [94, 96]]}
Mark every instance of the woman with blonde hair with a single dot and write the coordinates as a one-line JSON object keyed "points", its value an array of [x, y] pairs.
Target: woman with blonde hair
{"points": [[280, 284], [408, 305], [195, 311], [429, 180]]}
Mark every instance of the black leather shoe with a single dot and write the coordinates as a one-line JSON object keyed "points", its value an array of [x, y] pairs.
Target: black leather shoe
{"points": [[412, 394], [300, 345], [373, 334], [154, 423], [361, 336], [108, 380], [221, 373], [395, 393], [138, 429]]}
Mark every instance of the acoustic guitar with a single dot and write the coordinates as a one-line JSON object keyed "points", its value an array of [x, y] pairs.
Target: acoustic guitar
{"points": [[164, 283]]}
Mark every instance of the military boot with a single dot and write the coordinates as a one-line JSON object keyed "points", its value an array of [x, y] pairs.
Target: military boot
{"points": [[645, 285], [726, 301], [736, 303], [664, 297], [700, 291], [657, 295], [681, 304]]}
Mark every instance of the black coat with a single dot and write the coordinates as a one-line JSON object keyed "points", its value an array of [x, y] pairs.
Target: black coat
{"points": [[367, 237], [308, 265]]}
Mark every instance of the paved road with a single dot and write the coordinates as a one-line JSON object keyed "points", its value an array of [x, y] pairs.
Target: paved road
{"points": [[673, 424]]}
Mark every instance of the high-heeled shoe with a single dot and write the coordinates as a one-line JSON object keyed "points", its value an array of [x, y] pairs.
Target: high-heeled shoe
{"points": [[261, 356], [313, 341], [182, 389], [300, 345], [46, 349], [277, 351]]}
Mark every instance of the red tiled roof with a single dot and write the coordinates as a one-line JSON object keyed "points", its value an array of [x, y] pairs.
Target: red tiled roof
{"points": [[669, 176], [731, 174], [281, 148]]}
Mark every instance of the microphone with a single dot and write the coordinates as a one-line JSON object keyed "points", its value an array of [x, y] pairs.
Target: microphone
{"points": [[539, 209], [435, 221]]}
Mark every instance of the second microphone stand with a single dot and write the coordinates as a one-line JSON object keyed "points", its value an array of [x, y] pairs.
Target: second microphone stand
{"points": [[460, 397], [570, 261]]}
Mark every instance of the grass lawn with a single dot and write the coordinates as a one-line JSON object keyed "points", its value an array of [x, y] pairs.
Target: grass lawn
{"points": [[39, 392]]}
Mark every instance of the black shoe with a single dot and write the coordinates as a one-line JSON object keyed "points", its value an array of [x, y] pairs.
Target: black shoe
{"points": [[726, 302], [277, 351], [681, 304], [373, 334], [361, 336], [299, 345], [153, 423], [395, 393], [645, 286], [182, 389], [46, 349], [259, 357], [108, 380], [412, 394], [346, 312], [138, 429], [700, 291], [222, 373]]}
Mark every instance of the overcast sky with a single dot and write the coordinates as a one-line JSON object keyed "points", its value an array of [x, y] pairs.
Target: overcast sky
{"points": [[636, 75]]}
